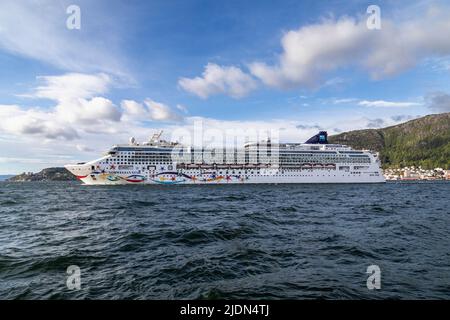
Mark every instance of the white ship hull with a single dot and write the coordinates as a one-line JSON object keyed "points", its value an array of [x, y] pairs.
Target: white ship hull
{"points": [[218, 177]]}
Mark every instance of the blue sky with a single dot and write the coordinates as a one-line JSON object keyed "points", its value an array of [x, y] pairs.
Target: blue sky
{"points": [[137, 66]]}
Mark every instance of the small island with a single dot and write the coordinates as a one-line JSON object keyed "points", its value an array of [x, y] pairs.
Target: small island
{"points": [[48, 174]]}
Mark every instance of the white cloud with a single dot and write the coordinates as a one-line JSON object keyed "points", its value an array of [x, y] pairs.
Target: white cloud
{"points": [[21, 160], [148, 111], [314, 51], [80, 111], [311, 50], [161, 112], [34, 122], [387, 104], [373, 103], [72, 86], [219, 80], [37, 30], [376, 123], [133, 109], [77, 97], [439, 102], [182, 108], [403, 117], [88, 111], [336, 82], [344, 100], [83, 148]]}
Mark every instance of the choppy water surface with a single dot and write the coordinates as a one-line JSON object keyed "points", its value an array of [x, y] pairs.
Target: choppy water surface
{"points": [[229, 241]]}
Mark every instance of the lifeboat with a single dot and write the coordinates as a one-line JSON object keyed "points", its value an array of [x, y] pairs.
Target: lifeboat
{"points": [[222, 166]]}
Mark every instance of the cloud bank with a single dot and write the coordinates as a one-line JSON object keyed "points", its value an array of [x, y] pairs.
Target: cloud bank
{"points": [[313, 52], [217, 79], [439, 102], [80, 108]]}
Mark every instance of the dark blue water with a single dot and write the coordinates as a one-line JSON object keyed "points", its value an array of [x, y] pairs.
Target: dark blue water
{"points": [[231, 241]]}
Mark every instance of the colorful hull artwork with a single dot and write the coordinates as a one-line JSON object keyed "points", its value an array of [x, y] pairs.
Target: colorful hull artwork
{"points": [[170, 177], [134, 178], [113, 178], [206, 177]]}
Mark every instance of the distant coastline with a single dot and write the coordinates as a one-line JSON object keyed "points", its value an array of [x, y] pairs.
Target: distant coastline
{"points": [[48, 174]]}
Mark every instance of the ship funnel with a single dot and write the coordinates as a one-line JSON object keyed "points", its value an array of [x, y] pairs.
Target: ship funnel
{"points": [[320, 138]]}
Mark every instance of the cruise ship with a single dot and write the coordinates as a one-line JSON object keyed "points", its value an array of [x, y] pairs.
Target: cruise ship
{"points": [[161, 162]]}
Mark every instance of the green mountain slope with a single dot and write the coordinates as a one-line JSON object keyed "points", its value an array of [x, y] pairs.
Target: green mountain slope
{"points": [[424, 141]]}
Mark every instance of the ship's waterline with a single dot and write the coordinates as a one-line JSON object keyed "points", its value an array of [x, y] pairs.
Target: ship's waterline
{"points": [[162, 162]]}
